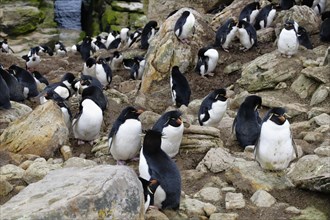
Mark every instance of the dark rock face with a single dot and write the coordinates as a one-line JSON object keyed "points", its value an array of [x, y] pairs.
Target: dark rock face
{"points": [[68, 13]]}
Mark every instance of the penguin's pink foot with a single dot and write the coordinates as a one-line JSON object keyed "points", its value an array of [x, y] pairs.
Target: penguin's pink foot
{"points": [[121, 162]]}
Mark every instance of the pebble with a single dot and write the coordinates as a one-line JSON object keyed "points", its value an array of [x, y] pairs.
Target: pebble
{"points": [[234, 200], [224, 216], [261, 198], [292, 210]]}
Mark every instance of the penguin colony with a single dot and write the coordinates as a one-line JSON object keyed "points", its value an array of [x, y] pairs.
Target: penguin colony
{"points": [[158, 172]]}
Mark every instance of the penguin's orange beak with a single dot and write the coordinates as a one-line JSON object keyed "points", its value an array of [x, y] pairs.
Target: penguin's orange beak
{"points": [[140, 111], [179, 121], [282, 118]]}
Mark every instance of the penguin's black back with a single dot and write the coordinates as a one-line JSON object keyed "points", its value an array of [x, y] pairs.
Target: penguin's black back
{"points": [[26, 80], [325, 27], [40, 77], [15, 88], [85, 48], [223, 31], [146, 32], [166, 119], [163, 169], [250, 30], [303, 38], [114, 44], [287, 4], [90, 81], [247, 122], [4, 95], [95, 93], [181, 86], [247, 10], [181, 21], [262, 16]]}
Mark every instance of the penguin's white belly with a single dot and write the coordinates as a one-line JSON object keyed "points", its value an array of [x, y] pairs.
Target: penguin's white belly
{"points": [[253, 16], [159, 197], [66, 117], [230, 37], [216, 113], [288, 42], [270, 17], [141, 69], [187, 28], [62, 91], [89, 71], [173, 93], [143, 166], [213, 59], [245, 38], [275, 150], [126, 143], [87, 126], [101, 75], [171, 140]]}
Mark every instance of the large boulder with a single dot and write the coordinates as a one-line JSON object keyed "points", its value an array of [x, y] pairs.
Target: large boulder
{"points": [[166, 51], [41, 132], [311, 172], [100, 192], [19, 19]]}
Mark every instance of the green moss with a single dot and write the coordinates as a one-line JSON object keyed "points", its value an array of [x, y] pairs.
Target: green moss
{"points": [[114, 18], [95, 27], [137, 20], [49, 22]]}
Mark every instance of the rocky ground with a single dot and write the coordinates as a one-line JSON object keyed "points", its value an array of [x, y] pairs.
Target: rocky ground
{"points": [[219, 179]]}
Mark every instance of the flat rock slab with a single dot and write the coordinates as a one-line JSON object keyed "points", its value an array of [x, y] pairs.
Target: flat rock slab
{"points": [[99, 192]]}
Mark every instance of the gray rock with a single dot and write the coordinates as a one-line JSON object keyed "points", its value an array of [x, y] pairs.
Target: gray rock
{"points": [[323, 151], [311, 172], [322, 119], [224, 216], [228, 189], [266, 71], [193, 207], [16, 111], [315, 111], [105, 192], [127, 6], [266, 35], [38, 170], [216, 160], [66, 152], [11, 172], [78, 162], [261, 198], [304, 86], [249, 176], [5, 187], [155, 214], [292, 210], [320, 94], [234, 200], [209, 194], [148, 118], [41, 132], [303, 15], [311, 213], [237, 65], [319, 74]]}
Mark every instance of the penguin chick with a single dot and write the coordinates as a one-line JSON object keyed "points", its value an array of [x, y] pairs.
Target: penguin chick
{"points": [[275, 148], [125, 136], [207, 61], [213, 108], [184, 26], [288, 43], [160, 170], [171, 126], [180, 88], [247, 121], [247, 35], [225, 34]]}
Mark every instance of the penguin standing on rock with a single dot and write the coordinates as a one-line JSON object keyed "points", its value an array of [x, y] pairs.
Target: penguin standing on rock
{"points": [[160, 172], [275, 148], [247, 121], [4, 46], [137, 69], [265, 17], [125, 135], [15, 88], [180, 88], [250, 12], [213, 108], [171, 126], [225, 34], [86, 125], [103, 72], [148, 32], [32, 60], [303, 38], [288, 42], [4, 95], [89, 67], [116, 61], [60, 48], [85, 48], [184, 26], [247, 35], [207, 61]]}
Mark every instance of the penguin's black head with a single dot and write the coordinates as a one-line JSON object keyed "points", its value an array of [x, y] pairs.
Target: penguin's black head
{"points": [[116, 54], [68, 77], [138, 59], [175, 70], [277, 115], [98, 38], [231, 23], [171, 13], [174, 118], [131, 113], [202, 51], [253, 101], [152, 140], [36, 74], [185, 14], [100, 60], [325, 15], [289, 24], [87, 40], [90, 62], [220, 94], [242, 24]]}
